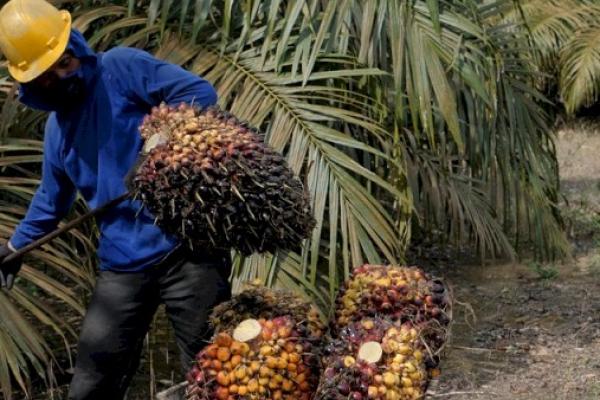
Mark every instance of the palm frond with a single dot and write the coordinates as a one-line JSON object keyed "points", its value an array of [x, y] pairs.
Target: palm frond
{"points": [[59, 272], [551, 23], [580, 69], [62, 270], [303, 130], [564, 36]]}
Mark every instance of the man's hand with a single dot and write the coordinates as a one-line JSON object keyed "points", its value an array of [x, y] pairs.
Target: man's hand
{"points": [[9, 270]]}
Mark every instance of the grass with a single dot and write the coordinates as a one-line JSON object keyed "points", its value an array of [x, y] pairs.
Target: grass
{"points": [[544, 272]]}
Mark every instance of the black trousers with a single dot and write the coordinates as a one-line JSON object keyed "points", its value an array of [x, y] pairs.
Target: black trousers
{"points": [[121, 310]]}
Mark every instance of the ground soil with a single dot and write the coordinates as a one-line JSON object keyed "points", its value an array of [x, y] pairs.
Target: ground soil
{"points": [[525, 330]]}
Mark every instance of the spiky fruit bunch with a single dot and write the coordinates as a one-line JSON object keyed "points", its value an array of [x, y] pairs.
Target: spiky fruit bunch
{"points": [[211, 180], [375, 359], [276, 364], [257, 301], [399, 293]]}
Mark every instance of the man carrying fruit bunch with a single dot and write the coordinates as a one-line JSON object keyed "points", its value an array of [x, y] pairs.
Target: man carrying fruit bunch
{"points": [[96, 103]]}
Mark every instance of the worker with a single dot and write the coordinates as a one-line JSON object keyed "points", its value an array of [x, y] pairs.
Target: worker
{"points": [[91, 140]]}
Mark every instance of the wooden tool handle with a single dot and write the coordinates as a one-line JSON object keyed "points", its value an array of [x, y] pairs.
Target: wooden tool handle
{"points": [[45, 239]]}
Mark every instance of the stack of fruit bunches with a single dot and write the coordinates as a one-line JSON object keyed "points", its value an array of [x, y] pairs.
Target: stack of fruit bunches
{"points": [[212, 181], [270, 355], [389, 326]]}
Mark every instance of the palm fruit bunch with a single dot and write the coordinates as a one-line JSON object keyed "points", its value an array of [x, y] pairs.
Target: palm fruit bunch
{"points": [[388, 329], [212, 181], [374, 359], [259, 360], [398, 293], [259, 302]]}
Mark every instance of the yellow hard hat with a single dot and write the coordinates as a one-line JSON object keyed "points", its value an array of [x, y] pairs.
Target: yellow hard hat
{"points": [[33, 36]]}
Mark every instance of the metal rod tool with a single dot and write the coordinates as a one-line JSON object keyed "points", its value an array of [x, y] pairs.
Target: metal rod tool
{"points": [[68, 226]]}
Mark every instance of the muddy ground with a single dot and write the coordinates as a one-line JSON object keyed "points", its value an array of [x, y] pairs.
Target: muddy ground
{"points": [[531, 331]]}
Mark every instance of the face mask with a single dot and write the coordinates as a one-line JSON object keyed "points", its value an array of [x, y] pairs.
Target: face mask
{"points": [[71, 87], [61, 94]]}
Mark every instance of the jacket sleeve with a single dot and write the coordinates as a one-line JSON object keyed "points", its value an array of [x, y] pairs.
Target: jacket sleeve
{"points": [[153, 81], [53, 198]]}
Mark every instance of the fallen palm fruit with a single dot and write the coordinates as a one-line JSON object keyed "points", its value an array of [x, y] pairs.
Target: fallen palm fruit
{"points": [[375, 359], [212, 181], [273, 361]]}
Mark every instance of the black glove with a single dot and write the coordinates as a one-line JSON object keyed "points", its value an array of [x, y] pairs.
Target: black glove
{"points": [[9, 270]]}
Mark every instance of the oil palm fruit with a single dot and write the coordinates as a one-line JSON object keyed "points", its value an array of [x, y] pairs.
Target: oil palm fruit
{"points": [[212, 181], [260, 359], [374, 359], [401, 296], [259, 302], [399, 293]]}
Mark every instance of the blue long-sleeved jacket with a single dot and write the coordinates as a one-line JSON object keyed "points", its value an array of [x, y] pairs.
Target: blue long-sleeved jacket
{"points": [[90, 149]]}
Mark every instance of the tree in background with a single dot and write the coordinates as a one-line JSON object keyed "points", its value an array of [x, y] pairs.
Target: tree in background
{"points": [[564, 37]]}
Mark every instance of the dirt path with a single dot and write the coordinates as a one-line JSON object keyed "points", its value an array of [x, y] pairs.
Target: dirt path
{"points": [[525, 337], [531, 331]]}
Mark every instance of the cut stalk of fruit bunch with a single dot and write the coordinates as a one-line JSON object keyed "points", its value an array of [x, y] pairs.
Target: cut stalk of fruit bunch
{"points": [[247, 330], [276, 364], [212, 181], [370, 352]]}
